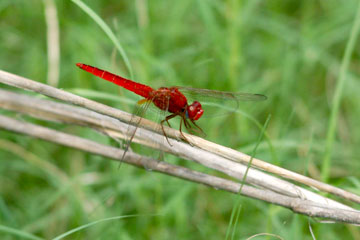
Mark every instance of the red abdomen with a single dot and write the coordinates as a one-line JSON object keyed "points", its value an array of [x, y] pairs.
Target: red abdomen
{"points": [[168, 99], [138, 88]]}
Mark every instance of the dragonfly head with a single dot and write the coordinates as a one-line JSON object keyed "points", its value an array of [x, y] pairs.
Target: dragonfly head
{"points": [[194, 111]]}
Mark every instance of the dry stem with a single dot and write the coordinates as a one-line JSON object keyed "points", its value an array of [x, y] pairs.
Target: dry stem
{"points": [[278, 191], [228, 153], [297, 205]]}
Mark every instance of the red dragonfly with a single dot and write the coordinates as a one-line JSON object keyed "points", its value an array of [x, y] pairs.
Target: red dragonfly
{"points": [[172, 99]]}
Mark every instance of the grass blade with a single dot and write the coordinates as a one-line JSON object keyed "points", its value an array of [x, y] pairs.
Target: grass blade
{"points": [[91, 224], [236, 210], [330, 138], [16, 232], [107, 31]]}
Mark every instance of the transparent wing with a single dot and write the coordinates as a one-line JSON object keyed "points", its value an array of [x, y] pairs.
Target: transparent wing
{"points": [[214, 101], [142, 107], [134, 123], [210, 95]]}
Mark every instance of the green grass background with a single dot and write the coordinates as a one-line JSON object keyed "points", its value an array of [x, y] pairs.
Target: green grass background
{"points": [[291, 51]]}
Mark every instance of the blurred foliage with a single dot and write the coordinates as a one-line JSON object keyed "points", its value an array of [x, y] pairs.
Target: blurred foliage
{"points": [[290, 51]]}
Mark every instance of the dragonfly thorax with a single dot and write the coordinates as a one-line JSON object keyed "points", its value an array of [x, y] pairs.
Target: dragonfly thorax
{"points": [[169, 99]]}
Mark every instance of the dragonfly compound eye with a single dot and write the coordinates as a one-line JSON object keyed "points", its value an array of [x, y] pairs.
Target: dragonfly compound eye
{"points": [[195, 110]]}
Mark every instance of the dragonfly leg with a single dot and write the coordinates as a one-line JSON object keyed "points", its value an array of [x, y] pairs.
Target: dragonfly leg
{"points": [[167, 120], [199, 128], [193, 130], [162, 125], [180, 129], [188, 127]]}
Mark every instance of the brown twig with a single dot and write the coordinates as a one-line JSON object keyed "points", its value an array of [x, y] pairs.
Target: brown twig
{"points": [[306, 207], [228, 153], [276, 190], [54, 111]]}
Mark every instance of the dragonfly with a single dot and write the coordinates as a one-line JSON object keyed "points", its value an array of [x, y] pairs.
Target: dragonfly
{"points": [[173, 99]]}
